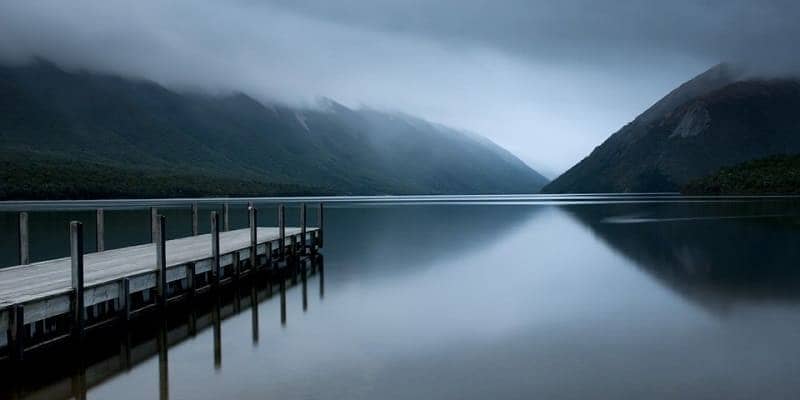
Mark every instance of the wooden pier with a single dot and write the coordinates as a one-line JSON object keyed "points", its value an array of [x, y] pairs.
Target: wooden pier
{"points": [[47, 302]]}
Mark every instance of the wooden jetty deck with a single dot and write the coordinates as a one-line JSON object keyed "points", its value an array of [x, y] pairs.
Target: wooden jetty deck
{"points": [[55, 300]]}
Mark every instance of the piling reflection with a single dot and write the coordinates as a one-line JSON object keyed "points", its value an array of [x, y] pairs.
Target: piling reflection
{"points": [[217, 327], [163, 363], [78, 383], [254, 313], [71, 372], [305, 289]]}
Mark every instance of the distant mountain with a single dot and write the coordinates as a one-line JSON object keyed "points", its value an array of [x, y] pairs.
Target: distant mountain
{"points": [[82, 134], [720, 118]]}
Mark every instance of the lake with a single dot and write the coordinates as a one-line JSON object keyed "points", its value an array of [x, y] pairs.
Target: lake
{"points": [[510, 297]]}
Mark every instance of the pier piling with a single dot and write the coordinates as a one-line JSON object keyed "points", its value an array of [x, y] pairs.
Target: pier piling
{"points": [[100, 242], [195, 230], [303, 211], [161, 262], [24, 253], [253, 217], [226, 217], [76, 257], [215, 269], [153, 224], [282, 228]]}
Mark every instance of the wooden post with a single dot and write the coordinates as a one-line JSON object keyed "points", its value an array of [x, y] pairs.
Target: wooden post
{"points": [[101, 231], [226, 217], [161, 262], [215, 270], [16, 325], [194, 220], [24, 253], [282, 230], [320, 215], [303, 211], [76, 253], [153, 224], [253, 214]]}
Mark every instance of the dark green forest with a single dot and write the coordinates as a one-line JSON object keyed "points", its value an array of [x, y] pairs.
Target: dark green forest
{"points": [[778, 174]]}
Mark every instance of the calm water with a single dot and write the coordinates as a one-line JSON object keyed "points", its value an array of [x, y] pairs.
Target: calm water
{"points": [[628, 297]]}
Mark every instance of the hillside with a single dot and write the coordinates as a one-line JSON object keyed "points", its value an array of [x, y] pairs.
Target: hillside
{"points": [[716, 119], [778, 174], [77, 123]]}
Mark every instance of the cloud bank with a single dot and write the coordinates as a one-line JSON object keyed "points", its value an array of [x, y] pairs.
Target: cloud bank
{"points": [[549, 80]]}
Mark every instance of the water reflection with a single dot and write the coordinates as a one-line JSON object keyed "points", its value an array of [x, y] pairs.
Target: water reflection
{"points": [[113, 351], [714, 256]]}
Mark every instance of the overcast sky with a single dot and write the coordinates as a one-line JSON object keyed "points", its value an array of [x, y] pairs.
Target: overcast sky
{"points": [[549, 80]]}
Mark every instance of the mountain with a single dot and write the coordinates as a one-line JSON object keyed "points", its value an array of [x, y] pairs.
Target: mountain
{"points": [[83, 134], [720, 118]]}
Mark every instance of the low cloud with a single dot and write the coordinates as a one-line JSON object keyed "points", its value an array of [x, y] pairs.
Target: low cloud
{"points": [[548, 80]]}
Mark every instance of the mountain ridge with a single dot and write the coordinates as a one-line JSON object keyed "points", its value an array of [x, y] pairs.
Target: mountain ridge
{"points": [[53, 114], [716, 119]]}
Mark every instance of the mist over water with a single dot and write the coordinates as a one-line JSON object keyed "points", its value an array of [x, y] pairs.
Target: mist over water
{"points": [[513, 298]]}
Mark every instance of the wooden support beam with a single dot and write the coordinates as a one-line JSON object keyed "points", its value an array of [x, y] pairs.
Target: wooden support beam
{"points": [[282, 230], [215, 269], [226, 217], [76, 256], [195, 230], [16, 327], [100, 241], [253, 216], [161, 262], [24, 245], [153, 224]]}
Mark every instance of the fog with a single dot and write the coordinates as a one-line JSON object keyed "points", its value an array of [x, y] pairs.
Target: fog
{"points": [[548, 80]]}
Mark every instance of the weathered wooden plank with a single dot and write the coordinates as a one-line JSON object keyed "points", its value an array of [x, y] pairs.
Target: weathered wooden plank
{"points": [[143, 282], [47, 308], [176, 273], [202, 266], [98, 294]]}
